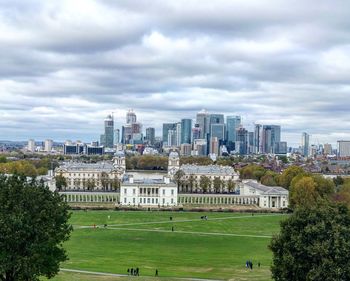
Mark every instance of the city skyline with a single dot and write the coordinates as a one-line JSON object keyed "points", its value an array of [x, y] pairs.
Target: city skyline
{"points": [[68, 65]]}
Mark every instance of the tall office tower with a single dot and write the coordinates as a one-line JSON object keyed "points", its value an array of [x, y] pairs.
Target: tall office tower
{"points": [[203, 121], [257, 139], [31, 145], [217, 127], [150, 135], [305, 144], [214, 146], [327, 150], [127, 134], [200, 147], [270, 135], [171, 138], [250, 142], [196, 132], [109, 132], [232, 124], [166, 128], [185, 149], [130, 117], [280, 147], [178, 133], [186, 129], [343, 148], [242, 141], [48, 145], [116, 136]]}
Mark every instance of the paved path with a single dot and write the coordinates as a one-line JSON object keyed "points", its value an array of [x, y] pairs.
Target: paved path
{"points": [[124, 275], [179, 221], [191, 232]]}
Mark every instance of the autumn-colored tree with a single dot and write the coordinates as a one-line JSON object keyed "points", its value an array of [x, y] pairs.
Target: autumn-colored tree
{"points": [[288, 174], [205, 183], [303, 193]]}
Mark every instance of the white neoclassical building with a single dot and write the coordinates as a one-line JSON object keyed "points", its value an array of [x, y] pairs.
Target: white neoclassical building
{"points": [[273, 197], [195, 172], [93, 176], [148, 192]]}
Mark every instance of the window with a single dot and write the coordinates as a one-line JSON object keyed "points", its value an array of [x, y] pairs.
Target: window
{"points": [[156, 200], [163, 191], [163, 201], [172, 192], [172, 201], [152, 200], [148, 200], [140, 200], [284, 203], [133, 200], [134, 191], [144, 200], [125, 200], [124, 190]]}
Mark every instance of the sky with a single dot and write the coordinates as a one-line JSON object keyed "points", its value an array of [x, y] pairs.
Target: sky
{"points": [[65, 65]]}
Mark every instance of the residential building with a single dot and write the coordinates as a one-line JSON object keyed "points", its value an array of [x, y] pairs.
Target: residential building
{"points": [[343, 148], [48, 145], [31, 145]]}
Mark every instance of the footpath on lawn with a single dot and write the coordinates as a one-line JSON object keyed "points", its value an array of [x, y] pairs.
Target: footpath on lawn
{"points": [[215, 249]]}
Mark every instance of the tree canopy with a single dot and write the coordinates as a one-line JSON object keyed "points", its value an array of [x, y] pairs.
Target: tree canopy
{"points": [[313, 245], [33, 226]]}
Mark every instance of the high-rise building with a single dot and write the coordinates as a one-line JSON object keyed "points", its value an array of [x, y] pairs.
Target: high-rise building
{"points": [[196, 132], [232, 125], [257, 139], [178, 133], [108, 138], [150, 135], [185, 149], [200, 147], [203, 121], [305, 144], [270, 135], [343, 148], [31, 145], [214, 146], [130, 117], [242, 141], [172, 138], [166, 128], [327, 149], [280, 147], [116, 136], [186, 129], [48, 145]]}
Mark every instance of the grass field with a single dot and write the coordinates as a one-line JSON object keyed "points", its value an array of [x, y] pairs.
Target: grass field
{"points": [[216, 248]]}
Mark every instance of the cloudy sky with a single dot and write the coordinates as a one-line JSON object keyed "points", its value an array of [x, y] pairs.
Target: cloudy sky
{"points": [[64, 65]]}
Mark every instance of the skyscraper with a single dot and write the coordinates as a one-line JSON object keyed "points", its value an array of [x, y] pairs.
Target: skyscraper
{"points": [[257, 139], [31, 145], [130, 117], [150, 136], [270, 135], [109, 132], [305, 144], [166, 128], [48, 145], [232, 125], [186, 129], [343, 148], [203, 122], [242, 141]]}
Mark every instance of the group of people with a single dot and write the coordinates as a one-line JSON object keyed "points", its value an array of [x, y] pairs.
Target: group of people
{"points": [[204, 217], [249, 264], [133, 271]]}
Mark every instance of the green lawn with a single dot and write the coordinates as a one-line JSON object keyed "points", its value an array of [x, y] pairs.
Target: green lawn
{"points": [[215, 249]]}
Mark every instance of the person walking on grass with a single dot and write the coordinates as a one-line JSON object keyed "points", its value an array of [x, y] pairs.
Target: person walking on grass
{"points": [[156, 275]]}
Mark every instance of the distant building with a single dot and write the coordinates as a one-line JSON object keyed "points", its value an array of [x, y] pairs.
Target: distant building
{"points": [[258, 139], [281, 147], [107, 139], [166, 128], [186, 149], [242, 141], [305, 144], [232, 125], [214, 146], [327, 149], [48, 145], [186, 130], [150, 136], [343, 148], [203, 122], [31, 145], [271, 134]]}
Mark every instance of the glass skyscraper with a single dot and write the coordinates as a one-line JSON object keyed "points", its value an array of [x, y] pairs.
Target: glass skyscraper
{"points": [[186, 130]]}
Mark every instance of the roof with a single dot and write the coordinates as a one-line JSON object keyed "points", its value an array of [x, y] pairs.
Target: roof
{"points": [[209, 169], [77, 167], [267, 189]]}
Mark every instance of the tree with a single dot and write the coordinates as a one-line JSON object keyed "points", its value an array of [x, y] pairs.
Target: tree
{"points": [[252, 172], [33, 226], [61, 182], [178, 177], [303, 193], [217, 183], [230, 185], [191, 180], [104, 180], [204, 183], [269, 178], [90, 184], [338, 180], [288, 174], [115, 184], [314, 244], [324, 187]]}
